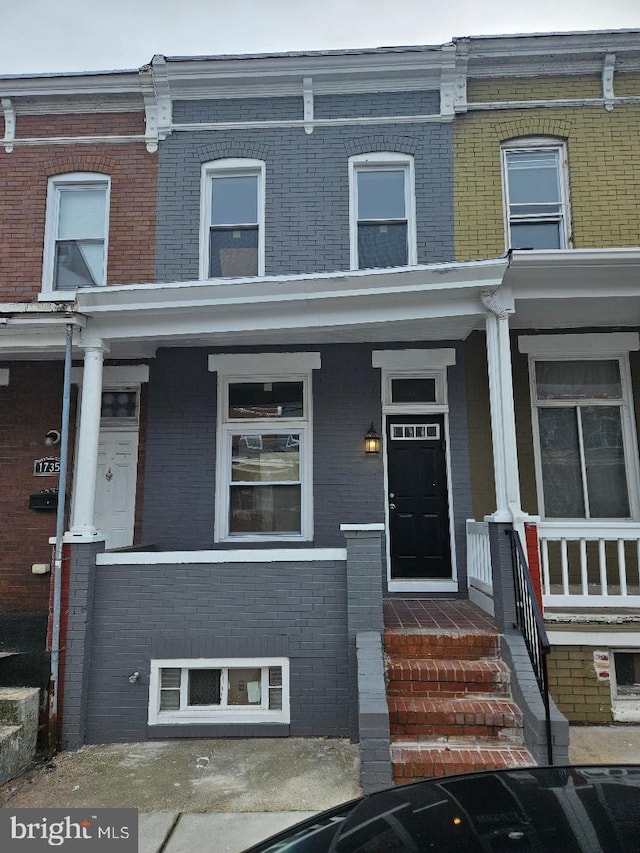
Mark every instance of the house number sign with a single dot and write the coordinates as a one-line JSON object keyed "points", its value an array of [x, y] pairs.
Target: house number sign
{"points": [[46, 467]]}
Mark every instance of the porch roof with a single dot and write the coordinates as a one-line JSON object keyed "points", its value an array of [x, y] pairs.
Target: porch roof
{"points": [[428, 302]]}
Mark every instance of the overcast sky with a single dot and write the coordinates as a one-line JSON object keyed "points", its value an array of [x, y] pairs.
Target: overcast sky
{"points": [[78, 35]]}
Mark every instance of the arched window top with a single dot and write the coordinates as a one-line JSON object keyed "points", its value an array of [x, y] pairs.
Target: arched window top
{"points": [[232, 218], [382, 210], [536, 193]]}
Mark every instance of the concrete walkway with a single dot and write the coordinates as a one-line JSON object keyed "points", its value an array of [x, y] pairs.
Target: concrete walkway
{"points": [[235, 791]]}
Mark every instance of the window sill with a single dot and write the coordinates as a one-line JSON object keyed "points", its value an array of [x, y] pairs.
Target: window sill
{"points": [[219, 718], [626, 710], [57, 296]]}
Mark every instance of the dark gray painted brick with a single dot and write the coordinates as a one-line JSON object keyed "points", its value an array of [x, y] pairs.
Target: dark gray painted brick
{"points": [[307, 187], [224, 610]]}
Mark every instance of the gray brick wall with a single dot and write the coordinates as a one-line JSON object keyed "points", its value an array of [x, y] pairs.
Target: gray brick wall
{"points": [[307, 188], [239, 109], [269, 609], [76, 661], [348, 484], [376, 104]]}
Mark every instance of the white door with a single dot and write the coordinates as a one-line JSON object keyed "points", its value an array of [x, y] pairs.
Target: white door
{"points": [[116, 486]]}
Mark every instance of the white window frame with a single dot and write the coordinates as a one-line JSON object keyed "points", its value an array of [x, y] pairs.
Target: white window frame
{"points": [[263, 367], [533, 144], [208, 714], [587, 347], [389, 161], [55, 185], [231, 168]]}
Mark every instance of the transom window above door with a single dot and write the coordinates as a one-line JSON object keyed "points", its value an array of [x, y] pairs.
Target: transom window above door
{"points": [[232, 233], [382, 211]]}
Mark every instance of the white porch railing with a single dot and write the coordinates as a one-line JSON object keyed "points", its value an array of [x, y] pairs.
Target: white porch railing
{"points": [[479, 576], [587, 564]]}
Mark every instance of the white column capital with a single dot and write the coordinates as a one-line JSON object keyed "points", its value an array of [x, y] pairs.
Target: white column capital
{"points": [[95, 345]]}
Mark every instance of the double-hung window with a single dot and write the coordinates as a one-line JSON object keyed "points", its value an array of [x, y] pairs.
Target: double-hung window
{"points": [[76, 232], [584, 434], [264, 449], [383, 230], [536, 195], [231, 690], [232, 238]]}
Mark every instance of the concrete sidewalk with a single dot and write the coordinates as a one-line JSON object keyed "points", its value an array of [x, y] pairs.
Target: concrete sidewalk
{"points": [[176, 832]]}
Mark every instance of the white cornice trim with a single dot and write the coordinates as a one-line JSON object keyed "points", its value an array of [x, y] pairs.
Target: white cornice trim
{"points": [[262, 363], [587, 345], [413, 359], [196, 127], [116, 376], [9, 124]]}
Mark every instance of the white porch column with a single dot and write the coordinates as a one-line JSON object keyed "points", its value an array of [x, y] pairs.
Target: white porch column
{"points": [[82, 521], [503, 423]]}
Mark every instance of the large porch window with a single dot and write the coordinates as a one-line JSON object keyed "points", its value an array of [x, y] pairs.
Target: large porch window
{"points": [[264, 450], [583, 438]]}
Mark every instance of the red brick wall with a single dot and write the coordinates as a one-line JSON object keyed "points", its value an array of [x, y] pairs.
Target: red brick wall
{"points": [[30, 405], [23, 182]]}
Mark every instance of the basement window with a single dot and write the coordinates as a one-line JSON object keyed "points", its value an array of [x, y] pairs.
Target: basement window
{"points": [[203, 690]]}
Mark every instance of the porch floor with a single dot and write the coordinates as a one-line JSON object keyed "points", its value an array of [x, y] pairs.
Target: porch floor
{"points": [[431, 614]]}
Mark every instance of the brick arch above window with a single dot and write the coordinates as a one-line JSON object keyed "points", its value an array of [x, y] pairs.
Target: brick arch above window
{"points": [[377, 143], [78, 162], [529, 126], [224, 151]]}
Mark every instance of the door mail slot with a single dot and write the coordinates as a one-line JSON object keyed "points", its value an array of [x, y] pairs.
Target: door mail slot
{"points": [[46, 500]]}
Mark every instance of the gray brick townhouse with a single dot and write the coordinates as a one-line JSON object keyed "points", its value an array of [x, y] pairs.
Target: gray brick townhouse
{"points": [[371, 299]]}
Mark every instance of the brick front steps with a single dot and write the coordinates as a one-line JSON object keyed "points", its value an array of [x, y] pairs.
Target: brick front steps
{"points": [[450, 706]]}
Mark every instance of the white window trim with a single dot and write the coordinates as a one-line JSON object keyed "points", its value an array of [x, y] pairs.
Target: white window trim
{"points": [[590, 347], [538, 143], [414, 364], [231, 167], [265, 367], [383, 160], [224, 714], [51, 224]]}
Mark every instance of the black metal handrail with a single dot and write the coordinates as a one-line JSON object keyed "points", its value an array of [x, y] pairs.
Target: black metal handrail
{"points": [[530, 622]]}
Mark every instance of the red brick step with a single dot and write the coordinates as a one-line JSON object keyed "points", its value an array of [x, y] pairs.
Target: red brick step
{"points": [[446, 678], [421, 717], [468, 645], [414, 761]]}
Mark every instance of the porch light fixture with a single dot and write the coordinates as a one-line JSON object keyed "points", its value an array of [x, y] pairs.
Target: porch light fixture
{"points": [[372, 441]]}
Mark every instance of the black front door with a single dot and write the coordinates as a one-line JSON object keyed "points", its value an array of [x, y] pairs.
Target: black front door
{"points": [[418, 498]]}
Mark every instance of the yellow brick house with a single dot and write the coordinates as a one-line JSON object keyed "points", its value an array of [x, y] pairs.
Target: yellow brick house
{"points": [[546, 151]]}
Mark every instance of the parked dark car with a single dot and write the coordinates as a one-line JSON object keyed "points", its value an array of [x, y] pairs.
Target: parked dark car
{"points": [[556, 809]]}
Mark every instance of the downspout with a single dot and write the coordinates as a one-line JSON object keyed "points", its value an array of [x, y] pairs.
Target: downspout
{"points": [[57, 563]]}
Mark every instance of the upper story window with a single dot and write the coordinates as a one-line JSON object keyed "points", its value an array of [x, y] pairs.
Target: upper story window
{"points": [[383, 231], [76, 232], [232, 234], [536, 193]]}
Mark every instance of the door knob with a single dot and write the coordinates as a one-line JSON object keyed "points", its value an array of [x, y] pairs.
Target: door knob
{"points": [[392, 506], [109, 475]]}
